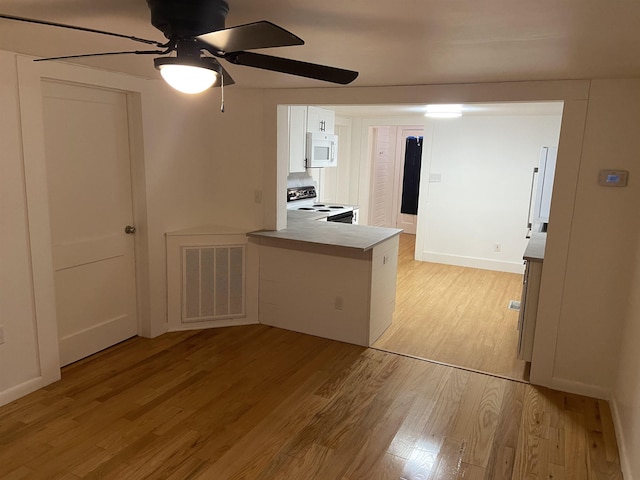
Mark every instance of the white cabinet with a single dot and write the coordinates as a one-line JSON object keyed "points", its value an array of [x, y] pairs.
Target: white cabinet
{"points": [[529, 309], [297, 138], [320, 120], [534, 258], [303, 119]]}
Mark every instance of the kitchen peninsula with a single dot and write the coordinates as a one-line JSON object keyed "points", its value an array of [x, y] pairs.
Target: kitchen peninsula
{"points": [[332, 280]]}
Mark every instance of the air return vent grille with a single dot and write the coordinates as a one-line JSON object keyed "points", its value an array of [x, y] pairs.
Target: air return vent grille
{"points": [[213, 282]]}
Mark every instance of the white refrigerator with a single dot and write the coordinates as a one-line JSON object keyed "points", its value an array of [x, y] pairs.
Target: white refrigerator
{"points": [[541, 189]]}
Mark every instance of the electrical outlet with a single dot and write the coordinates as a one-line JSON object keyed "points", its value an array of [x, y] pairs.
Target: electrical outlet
{"points": [[1, 334], [497, 247], [339, 303], [257, 196]]}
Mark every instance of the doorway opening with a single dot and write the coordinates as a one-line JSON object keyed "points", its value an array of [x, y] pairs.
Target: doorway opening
{"points": [[395, 176], [455, 315], [462, 270]]}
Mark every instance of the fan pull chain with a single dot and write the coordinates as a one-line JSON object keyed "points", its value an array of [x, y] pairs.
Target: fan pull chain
{"points": [[222, 89]]}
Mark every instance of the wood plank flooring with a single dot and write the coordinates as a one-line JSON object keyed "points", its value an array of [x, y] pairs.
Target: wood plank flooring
{"points": [[262, 403], [455, 315]]}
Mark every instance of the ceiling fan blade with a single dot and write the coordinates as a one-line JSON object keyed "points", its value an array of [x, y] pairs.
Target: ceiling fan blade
{"points": [[83, 29], [292, 67], [249, 37], [134, 52]]}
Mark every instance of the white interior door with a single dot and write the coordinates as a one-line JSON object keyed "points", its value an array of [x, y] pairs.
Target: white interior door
{"points": [[382, 201], [89, 182], [402, 220]]}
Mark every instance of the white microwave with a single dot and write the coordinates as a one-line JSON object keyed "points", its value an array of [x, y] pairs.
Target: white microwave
{"points": [[322, 150]]}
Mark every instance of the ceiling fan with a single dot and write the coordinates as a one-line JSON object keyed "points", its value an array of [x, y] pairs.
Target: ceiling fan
{"points": [[195, 30]]}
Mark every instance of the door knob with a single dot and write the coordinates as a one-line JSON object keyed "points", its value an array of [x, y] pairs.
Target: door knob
{"points": [[129, 230]]}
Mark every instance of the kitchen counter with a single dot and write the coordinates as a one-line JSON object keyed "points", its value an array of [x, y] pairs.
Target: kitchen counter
{"points": [[207, 230], [333, 280], [307, 227], [535, 248]]}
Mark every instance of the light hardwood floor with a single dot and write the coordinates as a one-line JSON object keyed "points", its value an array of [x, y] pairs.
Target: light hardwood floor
{"points": [[455, 315], [257, 402]]}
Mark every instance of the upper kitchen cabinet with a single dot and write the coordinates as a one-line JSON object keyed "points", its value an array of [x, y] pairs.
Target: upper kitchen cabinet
{"points": [[303, 119], [297, 138], [320, 120]]}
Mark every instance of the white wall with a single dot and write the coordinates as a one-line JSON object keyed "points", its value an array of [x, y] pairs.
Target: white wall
{"points": [[485, 164], [202, 167], [19, 363], [626, 392], [605, 230], [192, 165], [601, 307]]}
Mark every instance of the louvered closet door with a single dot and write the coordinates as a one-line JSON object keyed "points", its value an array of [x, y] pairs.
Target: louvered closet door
{"points": [[382, 185]]}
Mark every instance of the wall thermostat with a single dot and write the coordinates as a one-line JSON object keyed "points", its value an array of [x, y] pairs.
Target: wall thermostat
{"points": [[613, 178]]}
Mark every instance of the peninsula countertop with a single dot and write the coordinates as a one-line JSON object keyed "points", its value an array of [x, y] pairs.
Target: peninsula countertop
{"points": [[306, 227]]}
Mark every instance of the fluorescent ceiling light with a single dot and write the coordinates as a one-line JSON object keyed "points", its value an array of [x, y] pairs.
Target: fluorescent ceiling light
{"points": [[191, 76], [444, 111]]}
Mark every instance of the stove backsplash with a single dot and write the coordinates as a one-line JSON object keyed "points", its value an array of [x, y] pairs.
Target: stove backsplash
{"points": [[302, 179]]}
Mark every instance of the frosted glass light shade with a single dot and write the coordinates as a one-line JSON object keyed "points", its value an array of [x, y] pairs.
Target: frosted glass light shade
{"points": [[188, 78], [444, 111]]}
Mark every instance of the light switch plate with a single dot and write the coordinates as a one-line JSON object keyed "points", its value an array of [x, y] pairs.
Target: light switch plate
{"points": [[613, 178]]}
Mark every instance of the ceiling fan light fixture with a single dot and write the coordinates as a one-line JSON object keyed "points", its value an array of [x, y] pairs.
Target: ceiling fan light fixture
{"points": [[184, 24], [189, 75]]}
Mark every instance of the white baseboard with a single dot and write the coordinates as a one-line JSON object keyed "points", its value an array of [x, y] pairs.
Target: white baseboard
{"points": [[473, 262], [213, 324], [620, 438], [579, 388], [25, 388], [604, 394], [98, 337]]}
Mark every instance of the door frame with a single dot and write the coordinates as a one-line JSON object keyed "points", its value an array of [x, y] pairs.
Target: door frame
{"points": [[30, 76], [398, 166], [399, 169]]}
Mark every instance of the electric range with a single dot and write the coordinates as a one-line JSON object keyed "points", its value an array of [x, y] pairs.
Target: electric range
{"points": [[303, 199]]}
